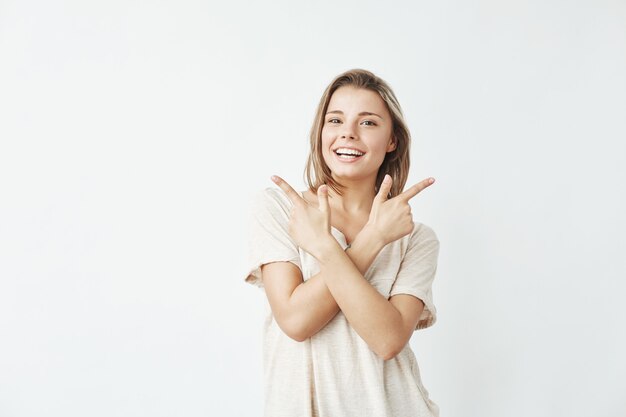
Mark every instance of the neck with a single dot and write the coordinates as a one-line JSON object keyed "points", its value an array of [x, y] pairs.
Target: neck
{"points": [[357, 196]]}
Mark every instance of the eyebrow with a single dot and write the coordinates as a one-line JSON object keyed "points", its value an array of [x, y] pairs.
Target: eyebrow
{"points": [[363, 113]]}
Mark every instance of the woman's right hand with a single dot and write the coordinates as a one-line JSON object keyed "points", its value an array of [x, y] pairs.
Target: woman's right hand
{"points": [[391, 219]]}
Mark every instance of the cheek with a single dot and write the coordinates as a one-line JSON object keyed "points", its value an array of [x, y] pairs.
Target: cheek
{"points": [[325, 142], [380, 148], [326, 137]]}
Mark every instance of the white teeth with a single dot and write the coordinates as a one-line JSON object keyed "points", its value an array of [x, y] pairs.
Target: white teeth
{"points": [[347, 151]]}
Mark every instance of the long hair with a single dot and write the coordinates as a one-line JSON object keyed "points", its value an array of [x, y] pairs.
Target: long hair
{"points": [[396, 162]]}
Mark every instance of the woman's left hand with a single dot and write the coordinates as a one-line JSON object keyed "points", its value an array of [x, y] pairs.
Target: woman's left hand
{"points": [[309, 226]]}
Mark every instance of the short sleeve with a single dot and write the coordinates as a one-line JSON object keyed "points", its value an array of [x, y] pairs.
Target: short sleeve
{"points": [[268, 234], [417, 272]]}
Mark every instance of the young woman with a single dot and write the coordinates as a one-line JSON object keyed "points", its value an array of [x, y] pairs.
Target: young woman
{"points": [[346, 271]]}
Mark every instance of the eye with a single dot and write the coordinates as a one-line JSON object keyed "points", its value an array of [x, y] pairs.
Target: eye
{"points": [[333, 121], [369, 121]]}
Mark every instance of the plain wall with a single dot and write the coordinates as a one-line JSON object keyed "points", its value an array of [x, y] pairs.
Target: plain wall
{"points": [[133, 135]]}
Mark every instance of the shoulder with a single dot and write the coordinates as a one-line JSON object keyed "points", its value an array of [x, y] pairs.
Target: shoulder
{"points": [[271, 202], [271, 197], [423, 236], [423, 232]]}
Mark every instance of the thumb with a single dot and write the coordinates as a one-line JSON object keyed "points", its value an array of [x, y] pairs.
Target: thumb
{"points": [[385, 187], [322, 197]]}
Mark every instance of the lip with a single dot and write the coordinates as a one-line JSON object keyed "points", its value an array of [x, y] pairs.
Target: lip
{"points": [[348, 147], [347, 161]]}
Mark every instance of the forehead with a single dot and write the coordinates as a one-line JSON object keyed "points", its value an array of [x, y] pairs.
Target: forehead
{"points": [[348, 98]]}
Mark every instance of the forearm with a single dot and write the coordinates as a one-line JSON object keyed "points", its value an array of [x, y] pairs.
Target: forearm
{"points": [[313, 304], [369, 313]]}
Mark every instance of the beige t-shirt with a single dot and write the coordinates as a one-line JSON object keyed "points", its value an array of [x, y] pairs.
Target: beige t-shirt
{"points": [[334, 373]]}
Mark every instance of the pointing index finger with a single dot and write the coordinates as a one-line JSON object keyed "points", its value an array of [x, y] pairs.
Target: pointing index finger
{"points": [[414, 190], [291, 193]]}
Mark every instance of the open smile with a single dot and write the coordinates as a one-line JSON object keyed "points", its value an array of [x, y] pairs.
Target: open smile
{"points": [[348, 154]]}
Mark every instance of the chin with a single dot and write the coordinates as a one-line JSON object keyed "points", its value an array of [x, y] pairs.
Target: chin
{"points": [[349, 175]]}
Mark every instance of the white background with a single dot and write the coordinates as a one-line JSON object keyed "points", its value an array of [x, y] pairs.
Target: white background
{"points": [[133, 134]]}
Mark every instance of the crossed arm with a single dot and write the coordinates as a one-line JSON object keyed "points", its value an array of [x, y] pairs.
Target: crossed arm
{"points": [[303, 308]]}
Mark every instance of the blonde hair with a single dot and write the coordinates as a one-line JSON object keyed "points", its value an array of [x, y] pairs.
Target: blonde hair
{"points": [[396, 162]]}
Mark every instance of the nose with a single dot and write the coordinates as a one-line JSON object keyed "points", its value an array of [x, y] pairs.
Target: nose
{"points": [[348, 131]]}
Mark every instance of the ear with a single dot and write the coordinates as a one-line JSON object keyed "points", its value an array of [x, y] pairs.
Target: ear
{"points": [[392, 144]]}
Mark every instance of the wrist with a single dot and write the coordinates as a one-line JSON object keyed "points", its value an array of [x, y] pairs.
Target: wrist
{"points": [[370, 234], [327, 248]]}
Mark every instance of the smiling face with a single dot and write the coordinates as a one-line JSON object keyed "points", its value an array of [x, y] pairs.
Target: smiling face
{"points": [[357, 134]]}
